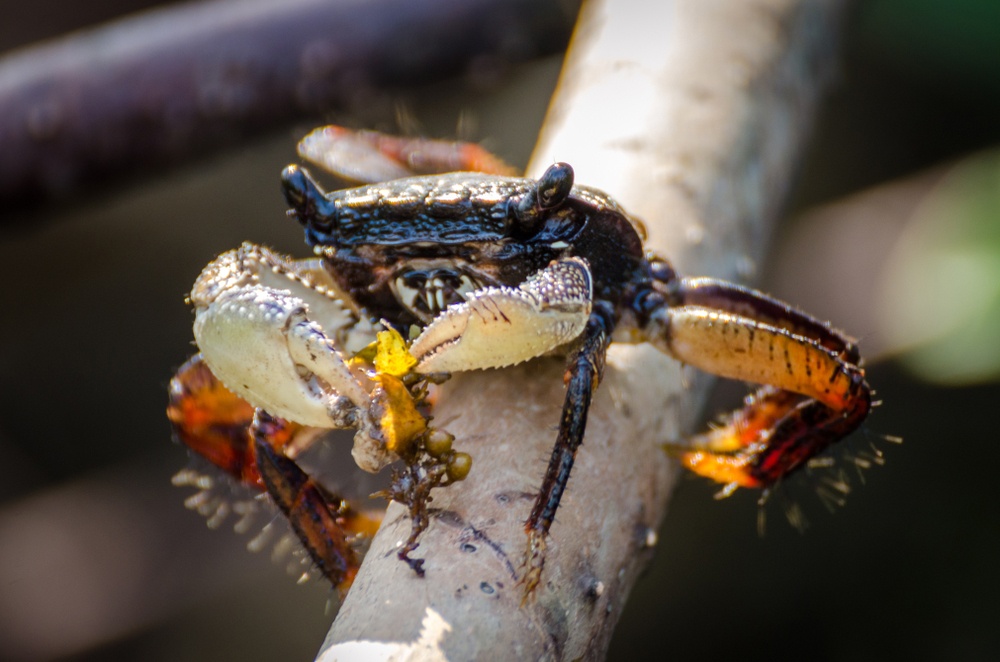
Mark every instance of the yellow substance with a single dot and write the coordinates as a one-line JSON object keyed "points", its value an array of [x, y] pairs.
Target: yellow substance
{"points": [[400, 422], [391, 355]]}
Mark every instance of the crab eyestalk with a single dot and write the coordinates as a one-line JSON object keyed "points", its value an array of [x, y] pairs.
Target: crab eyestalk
{"points": [[309, 204], [549, 192]]}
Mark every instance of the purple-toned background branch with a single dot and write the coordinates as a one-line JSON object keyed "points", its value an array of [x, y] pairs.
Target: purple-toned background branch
{"points": [[166, 85]]}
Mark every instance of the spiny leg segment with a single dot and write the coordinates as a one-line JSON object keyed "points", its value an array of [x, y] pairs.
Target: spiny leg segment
{"points": [[252, 447], [583, 374], [817, 392], [212, 421], [323, 521]]}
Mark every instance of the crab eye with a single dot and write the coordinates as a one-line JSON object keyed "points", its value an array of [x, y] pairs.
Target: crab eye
{"points": [[555, 185], [307, 201], [550, 191]]}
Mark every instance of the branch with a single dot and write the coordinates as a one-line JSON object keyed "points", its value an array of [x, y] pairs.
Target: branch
{"points": [[692, 114], [162, 86]]}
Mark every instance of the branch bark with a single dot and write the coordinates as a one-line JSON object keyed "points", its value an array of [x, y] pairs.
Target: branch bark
{"points": [[692, 114], [162, 86]]}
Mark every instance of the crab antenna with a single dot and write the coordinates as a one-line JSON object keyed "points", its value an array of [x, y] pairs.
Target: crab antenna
{"points": [[308, 202]]}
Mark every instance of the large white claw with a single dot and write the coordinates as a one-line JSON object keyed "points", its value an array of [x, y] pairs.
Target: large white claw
{"points": [[501, 326], [256, 325]]}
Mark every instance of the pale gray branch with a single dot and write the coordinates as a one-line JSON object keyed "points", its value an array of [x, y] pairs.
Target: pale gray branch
{"points": [[692, 114]]}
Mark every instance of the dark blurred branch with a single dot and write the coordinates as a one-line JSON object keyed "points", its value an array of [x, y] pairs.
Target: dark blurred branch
{"points": [[162, 86]]}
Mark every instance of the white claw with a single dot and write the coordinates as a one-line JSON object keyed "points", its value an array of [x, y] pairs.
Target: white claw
{"points": [[309, 347], [264, 325], [501, 326]]}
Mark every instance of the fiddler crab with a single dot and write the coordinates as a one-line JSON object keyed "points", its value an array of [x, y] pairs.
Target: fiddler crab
{"points": [[422, 275]]}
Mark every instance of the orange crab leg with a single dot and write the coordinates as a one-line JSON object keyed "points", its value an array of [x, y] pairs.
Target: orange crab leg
{"points": [[325, 523], [370, 156], [212, 421], [747, 302], [742, 348], [816, 393], [775, 433], [744, 427], [252, 447]]}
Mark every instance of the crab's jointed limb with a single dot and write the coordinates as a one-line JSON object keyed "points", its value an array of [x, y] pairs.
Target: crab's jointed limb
{"points": [[212, 421], [815, 391], [323, 521], [255, 449], [267, 343], [583, 374], [369, 156]]}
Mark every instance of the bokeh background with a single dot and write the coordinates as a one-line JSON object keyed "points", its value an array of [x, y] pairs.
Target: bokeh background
{"points": [[893, 232]]}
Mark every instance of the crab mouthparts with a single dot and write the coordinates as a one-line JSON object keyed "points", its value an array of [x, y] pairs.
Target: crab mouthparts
{"points": [[427, 294]]}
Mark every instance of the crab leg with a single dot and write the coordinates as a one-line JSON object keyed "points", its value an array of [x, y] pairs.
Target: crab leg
{"points": [[369, 157], [252, 447], [212, 421], [764, 354], [816, 394], [744, 427], [747, 302], [583, 374], [325, 524]]}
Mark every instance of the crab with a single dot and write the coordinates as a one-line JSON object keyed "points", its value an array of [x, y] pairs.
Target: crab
{"points": [[474, 271]]}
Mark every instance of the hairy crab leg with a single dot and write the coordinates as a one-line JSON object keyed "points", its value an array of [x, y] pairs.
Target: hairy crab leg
{"points": [[816, 392], [791, 437], [583, 374], [368, 157], [253, 448], [327, 526], [744, 427]]}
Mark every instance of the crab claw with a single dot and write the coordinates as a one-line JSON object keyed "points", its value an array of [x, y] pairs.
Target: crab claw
{"points": [[264, 342], [501, 326]]}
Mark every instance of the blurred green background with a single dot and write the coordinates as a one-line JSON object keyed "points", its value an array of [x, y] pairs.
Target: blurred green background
{"points": [[893, 232]]}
